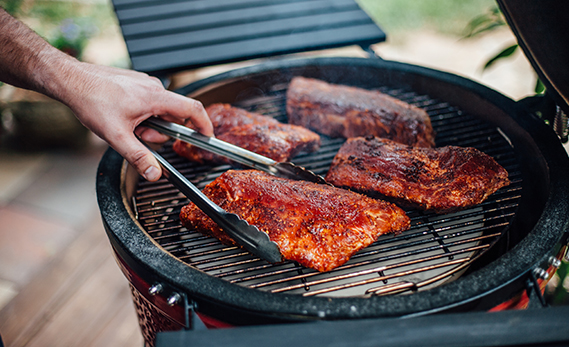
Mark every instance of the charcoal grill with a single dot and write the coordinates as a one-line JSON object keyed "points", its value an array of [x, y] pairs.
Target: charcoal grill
{"points": [[483, 258], [230, 285]]}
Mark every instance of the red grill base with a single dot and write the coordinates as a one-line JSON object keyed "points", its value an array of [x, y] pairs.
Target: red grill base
{"points": [[152, 320], [154, 313]]}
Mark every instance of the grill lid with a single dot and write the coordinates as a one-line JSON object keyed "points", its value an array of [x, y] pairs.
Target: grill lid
{"points": [[541, 28]]}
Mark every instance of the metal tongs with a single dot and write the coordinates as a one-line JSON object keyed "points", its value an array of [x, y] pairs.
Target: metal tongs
{"points": [[238, 154], [249, 236]]}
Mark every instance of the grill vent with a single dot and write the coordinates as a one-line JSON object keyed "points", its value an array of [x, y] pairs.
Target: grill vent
{"points": [[436, 248]]}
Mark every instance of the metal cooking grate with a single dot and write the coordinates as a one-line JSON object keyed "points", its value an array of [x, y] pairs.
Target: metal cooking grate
{"points": [[435, 249]]}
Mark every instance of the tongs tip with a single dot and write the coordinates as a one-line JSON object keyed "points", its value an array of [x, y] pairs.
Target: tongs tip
{"points": [[245, 234]]}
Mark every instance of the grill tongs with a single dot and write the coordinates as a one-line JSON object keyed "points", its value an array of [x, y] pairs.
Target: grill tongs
{"points": [[249, 236]]}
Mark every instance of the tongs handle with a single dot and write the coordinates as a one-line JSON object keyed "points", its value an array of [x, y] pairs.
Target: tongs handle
{"points": [[251, 238], [238, 154], [211, 144]]}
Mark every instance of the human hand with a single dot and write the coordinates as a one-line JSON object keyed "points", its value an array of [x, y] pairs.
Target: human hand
{"points": [[113, 102]]}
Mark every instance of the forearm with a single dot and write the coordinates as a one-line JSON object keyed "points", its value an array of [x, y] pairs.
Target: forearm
{"points": [[28, 61]]}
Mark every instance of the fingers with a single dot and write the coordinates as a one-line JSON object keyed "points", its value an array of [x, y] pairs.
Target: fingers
{"points": [[139, 157], [151, 135], [174, 106], [184, 109]]}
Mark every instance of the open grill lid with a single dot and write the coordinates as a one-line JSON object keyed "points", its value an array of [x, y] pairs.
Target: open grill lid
{"points": [[541, 28]]}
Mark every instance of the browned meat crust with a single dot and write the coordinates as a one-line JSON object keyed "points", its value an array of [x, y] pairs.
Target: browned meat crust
{"points": [[257, 133], [343, 111], [442, 179], [317, 225]]}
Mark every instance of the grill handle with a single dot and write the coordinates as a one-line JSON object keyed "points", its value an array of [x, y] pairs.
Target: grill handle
{"points": [[238, 154], [248, 236]]}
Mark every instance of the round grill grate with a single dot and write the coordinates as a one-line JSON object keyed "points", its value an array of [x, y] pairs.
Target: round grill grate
{"points": [[437, 248]]}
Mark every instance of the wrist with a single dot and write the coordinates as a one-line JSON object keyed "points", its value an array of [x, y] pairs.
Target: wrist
{"points": [[55, 72]]}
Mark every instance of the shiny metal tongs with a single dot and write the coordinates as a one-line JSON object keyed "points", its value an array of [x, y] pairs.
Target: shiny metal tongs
{"points": [[238, 154], [249, 236]]}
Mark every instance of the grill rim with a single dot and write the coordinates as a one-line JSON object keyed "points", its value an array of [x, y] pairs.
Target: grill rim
{"points": [[505, 274]]}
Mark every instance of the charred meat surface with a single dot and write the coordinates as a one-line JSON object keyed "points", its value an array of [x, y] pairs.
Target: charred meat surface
{"points": [[344, 111], [255, 132], [442, 179], [319, 226]]}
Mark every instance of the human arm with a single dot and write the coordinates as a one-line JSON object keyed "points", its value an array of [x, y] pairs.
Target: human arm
{"points": [[110, 102]]}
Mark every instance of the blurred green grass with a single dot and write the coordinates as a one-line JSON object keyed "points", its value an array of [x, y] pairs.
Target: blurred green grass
{"points": [[43, 16], [448, 17]]}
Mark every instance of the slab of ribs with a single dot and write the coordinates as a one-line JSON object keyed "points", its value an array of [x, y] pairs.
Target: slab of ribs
{"points": [[442, 179], [345, 111], [260, 134], [316, 225]]}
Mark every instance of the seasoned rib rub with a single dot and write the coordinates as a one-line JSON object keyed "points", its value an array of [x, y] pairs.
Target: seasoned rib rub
{"points": [[442, 179], [344, 111], [257, 133], [317, 225]]}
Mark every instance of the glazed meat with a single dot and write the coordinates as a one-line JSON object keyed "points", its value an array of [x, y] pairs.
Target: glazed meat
{"points": [[441, 179], [257, 133], [317, 225], [344, 111]]}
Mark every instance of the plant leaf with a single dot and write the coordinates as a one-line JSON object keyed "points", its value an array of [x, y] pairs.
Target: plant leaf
{"points": [[503, 54], [539, 87], [488, 27], [485, 22]]}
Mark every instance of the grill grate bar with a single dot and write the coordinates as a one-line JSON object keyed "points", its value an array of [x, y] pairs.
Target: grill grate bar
{"points": [[356, 265], [177, 205], [143, 205], [169, 236], [218, 258], [235, 262], [368, 271], [384, 278], [209, 243]]}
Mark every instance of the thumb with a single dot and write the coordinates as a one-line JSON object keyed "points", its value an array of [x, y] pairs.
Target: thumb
{"points": [[139, 157]]}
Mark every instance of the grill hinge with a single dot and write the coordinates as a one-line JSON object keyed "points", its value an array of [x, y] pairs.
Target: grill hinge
{"points": [[536, 299], [193, 322], [560, 124]]}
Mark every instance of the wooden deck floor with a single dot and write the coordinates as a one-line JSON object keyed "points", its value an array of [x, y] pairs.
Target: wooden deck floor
{"points": [[79, 299]]}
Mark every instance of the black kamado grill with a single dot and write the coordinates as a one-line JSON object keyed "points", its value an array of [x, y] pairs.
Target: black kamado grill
{"points": [[497, 255]]}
